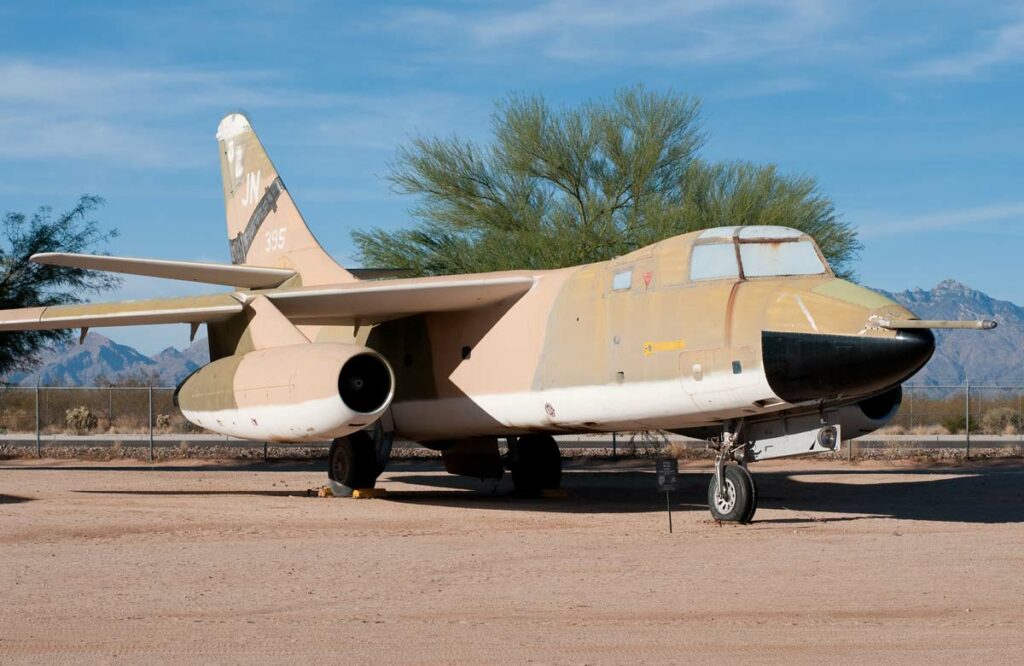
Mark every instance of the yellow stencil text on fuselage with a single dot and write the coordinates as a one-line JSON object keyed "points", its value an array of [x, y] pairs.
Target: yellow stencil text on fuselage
{"points": [[663, 345]]}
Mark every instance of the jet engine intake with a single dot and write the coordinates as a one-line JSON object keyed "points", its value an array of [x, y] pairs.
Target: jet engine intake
{"points": [[870, 414], [297, 393]]}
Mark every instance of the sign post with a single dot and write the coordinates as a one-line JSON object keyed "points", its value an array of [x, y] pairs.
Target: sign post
{"points": [[668, 480]]}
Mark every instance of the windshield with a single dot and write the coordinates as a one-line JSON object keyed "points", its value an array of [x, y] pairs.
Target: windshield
{"points": [[779, 259]]}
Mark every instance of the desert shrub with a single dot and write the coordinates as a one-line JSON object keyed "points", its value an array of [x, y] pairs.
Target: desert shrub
{"points": [[163, 421], [646, 441], [928, 430], [80, 420], [957, 424], [1000, 420]]}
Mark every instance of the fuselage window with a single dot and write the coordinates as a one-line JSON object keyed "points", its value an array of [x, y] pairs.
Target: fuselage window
{"points": [[714, 262], [780, 259], [622, 280]]}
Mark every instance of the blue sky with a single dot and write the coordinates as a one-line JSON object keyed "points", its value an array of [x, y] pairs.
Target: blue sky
{"points": [[909, 114]]}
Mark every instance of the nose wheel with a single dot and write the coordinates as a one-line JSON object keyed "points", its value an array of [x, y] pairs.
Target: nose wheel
{"points": [[735, 499]]}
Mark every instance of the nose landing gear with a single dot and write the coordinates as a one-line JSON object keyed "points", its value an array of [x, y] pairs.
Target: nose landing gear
{"points": [[732, 493]]}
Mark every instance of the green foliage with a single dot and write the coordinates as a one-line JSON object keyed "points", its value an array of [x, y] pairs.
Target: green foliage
{"points": [[956, 424], [26, 284], [577, 185], [80, 420]]}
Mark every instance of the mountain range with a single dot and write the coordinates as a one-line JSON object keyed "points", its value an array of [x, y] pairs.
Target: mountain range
{"points": [[99, 359], [981, 356]]}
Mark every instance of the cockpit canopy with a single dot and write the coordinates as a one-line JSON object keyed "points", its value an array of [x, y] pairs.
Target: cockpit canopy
{"points": [[754, 252]]}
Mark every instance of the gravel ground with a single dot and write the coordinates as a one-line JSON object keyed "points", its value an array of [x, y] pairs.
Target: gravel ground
{"points": [[232, 562]]}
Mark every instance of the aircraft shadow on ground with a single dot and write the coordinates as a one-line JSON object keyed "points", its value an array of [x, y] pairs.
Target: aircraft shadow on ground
{"points": [[230, 466], [973, 496], [195, 493], [14, 499]]}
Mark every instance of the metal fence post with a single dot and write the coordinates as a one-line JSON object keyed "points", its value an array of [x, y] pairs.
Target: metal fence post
{"points": [[911, 392], [39, 450], [967, 417], [150, 423], [110, 405]]}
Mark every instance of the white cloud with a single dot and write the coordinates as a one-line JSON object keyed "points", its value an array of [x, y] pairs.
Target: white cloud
{"points": [[123, 114], [384, 122], [876, 225], [661, 32], [1004, 46]]}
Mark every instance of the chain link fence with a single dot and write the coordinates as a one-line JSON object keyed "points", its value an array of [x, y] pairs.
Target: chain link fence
{"points": [[950, 414]]}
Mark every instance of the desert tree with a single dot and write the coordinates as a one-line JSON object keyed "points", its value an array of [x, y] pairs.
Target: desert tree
{"points": [[27, 284], [563, 186]]}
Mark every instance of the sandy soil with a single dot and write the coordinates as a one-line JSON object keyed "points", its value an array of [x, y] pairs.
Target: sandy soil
{"points": [[874, 562]]}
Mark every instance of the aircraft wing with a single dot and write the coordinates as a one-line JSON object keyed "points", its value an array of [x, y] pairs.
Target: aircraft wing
{"points": [[350, 303], [246, 277], [185, 310], [370, 302]]}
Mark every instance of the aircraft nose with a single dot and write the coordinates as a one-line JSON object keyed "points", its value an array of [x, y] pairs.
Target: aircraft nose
{"points": [[813, 366]]}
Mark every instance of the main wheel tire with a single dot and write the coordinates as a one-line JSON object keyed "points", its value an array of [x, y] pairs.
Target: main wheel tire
{"points": [[749, 516], [737, 504], [352, 461], [536, 464]]}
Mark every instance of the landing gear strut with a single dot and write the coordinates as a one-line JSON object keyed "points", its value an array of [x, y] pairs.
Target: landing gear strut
{"points": [[732, 493], [355, 461], [535, 462]]}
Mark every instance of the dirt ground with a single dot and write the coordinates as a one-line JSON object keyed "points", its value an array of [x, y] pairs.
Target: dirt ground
{"points": [[230, 563]]}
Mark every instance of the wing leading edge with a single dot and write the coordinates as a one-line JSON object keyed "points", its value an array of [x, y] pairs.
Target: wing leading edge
{"points": [[371, 302]]}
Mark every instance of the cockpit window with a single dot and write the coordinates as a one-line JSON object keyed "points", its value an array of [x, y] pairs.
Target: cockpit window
{"points": [[780, 259], [714, 262]]}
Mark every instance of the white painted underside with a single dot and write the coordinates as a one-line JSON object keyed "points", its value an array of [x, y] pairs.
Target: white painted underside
{"points": [[638, 405], [310, 421]]}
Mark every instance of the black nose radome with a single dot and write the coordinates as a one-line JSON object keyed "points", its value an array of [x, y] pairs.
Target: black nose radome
{"points": [[811, 366]]}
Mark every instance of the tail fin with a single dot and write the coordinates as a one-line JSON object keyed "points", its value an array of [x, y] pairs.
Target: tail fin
{"points": [[264, 226]]}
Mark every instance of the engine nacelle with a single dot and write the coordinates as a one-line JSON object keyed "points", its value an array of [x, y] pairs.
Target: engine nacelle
{"points": [[869, 414], [298, 393]]}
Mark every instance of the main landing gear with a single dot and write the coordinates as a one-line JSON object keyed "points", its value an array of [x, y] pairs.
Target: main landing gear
{"points": [[355, 461], [732, 493], [535, 463]]}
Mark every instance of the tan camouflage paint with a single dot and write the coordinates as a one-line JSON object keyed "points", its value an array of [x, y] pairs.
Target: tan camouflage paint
{"points": [[571, 335], [257, 203]]}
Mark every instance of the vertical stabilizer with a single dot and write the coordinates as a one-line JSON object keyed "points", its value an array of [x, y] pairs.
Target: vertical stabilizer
{"points": [[264, 226]]}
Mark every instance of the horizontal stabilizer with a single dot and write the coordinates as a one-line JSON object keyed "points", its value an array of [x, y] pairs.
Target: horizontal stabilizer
{"points": [[245, 277], [369, 302], [185, 310]]}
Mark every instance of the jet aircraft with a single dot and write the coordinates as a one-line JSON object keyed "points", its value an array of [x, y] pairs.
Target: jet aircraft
{"points": [[742, 335]]}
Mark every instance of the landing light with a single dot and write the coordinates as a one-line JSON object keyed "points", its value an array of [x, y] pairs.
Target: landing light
{"points": [[827, 438]]}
